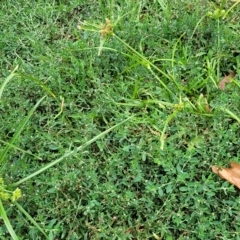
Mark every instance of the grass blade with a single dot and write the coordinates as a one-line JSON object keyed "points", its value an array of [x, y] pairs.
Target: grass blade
{"points": [[20, 149], [20, 128], [7, 222], [162, 137], [68, 154], [31, 219], [46, 88], [7, 80], [230, 113]]}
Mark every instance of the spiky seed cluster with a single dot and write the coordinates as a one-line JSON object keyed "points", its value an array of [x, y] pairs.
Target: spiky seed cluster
{"points": [[106, 29]]}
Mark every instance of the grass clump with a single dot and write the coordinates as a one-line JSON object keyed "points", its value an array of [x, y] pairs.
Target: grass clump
{"points": [[114, 116]]}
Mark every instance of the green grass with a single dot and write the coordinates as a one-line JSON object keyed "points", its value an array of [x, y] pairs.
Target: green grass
{"points": [[112, 136]]}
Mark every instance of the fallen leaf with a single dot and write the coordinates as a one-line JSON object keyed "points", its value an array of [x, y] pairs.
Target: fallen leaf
{"points": [[226, 79], [232, 174]]}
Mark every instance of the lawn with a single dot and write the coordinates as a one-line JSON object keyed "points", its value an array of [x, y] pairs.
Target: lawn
{"points": [[111, 116]]}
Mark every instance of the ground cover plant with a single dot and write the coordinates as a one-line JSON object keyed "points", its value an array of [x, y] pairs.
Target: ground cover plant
{"points": [[112, 114]]}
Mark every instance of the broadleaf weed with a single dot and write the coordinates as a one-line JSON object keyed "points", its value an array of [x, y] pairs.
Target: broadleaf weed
{"points": [[86, 168]]}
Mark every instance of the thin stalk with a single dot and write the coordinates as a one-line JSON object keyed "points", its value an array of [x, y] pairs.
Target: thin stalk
{"points": [[68, 154], [230, 9], [147, 63], [31, 219], [162, 137]]}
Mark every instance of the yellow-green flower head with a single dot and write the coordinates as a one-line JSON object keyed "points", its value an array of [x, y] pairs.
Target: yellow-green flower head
{"points": [[218, 13], [1, 181], [16, 195], [4, 196]]}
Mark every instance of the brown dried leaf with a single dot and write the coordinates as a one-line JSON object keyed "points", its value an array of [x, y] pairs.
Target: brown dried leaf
{"points": [[226, 79], [232, 174]]}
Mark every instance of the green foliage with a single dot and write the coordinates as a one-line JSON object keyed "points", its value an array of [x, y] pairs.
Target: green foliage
{"points": [[155, 63]]}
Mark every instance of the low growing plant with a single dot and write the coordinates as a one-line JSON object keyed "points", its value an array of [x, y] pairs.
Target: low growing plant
{"points": [[7, 195]]}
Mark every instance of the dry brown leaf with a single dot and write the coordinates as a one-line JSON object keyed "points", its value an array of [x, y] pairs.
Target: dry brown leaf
{"points": [[232, 174], [226, 79]]}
